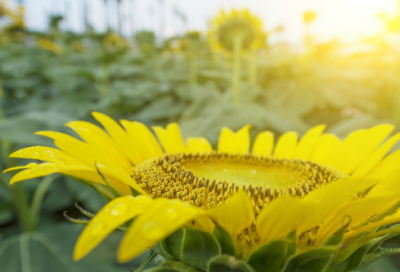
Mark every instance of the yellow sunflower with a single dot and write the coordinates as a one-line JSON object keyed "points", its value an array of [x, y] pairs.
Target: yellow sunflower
{"points": [[314, 204], [229, 26]]}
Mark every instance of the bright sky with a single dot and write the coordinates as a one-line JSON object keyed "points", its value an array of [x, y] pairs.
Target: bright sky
{"points": [[347, 19]]}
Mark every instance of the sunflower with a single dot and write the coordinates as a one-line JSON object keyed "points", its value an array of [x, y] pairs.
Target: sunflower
{"points": [[314, 204], [226, 27], [235, 31]]}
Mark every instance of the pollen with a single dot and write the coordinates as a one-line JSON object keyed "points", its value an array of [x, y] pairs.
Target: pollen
{"points": [[207, 180]]}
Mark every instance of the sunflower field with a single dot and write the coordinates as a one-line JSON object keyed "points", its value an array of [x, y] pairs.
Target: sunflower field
{"points": [[231, 77]]}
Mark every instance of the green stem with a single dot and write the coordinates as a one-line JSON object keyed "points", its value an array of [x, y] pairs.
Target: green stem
{"points": [[237, 50], [192, 70], [21, 207], [253, 68], [19, 199], [149, 258], [38, 198]]}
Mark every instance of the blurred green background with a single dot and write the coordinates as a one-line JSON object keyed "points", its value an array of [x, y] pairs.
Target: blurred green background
{"points": [[50, 78]]}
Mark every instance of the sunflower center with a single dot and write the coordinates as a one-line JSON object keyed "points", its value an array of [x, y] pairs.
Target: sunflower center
{"points": [[205, 180]]}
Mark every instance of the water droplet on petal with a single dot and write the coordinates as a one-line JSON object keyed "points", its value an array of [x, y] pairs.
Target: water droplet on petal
{"points": [[35, 154], [171, 214], [119, 209], [49, 153], [152, 231]]}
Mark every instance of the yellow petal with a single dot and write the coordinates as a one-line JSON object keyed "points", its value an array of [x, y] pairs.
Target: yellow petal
{"points": [[121, 139], [81, 151], [226, 141], [330, 198], [110, 217], [171, 138], [327, 146], [143, 138], [235, 215], [352, 140], [199, 145], [387, 185], [38, 170], [286, 145], [263, 144], [387, 166], [28, 166], [359, 151], [373, 160], [308, 142], [82, 172], [355, 214], [162, 218], [281, 217], [100, 141], [391, 219], [242, 138], [44, 153], [205, 223], [234, 142]]}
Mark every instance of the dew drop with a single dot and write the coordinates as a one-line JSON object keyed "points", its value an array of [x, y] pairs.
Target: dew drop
{"points": [[35, 154], [152, 231], [171, 214], [119, 209]]}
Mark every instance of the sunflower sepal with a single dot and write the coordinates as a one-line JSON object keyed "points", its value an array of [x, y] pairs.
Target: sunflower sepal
{"points": [[193, 246], [224, 239], [172, 245], [198, 248], [337, 238], [379, 253], [114, 191], [171, 266], [366, 242], [273, 256], [228, 263], [313, 260]]}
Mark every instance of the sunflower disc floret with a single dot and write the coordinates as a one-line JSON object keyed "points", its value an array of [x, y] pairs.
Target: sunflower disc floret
{"points": [[315, 204]]}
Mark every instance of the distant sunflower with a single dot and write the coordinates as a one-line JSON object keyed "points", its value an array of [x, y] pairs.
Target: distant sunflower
{"points": [[226, 27], [309, 205]]}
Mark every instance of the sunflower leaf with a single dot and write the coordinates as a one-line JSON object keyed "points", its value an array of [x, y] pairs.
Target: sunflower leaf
{"points": [[226, 263], [224, 240], [198, 248], [271, 257]]}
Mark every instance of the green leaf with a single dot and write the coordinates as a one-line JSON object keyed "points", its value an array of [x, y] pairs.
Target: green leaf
{"points": [[314, 260], [225, 240], [271, 257], [198, 248], [226, 263]]}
